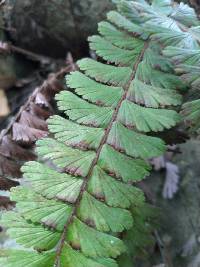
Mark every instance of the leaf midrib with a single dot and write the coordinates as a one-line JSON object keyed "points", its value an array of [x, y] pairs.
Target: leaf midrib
{"points": [[98, 152]]}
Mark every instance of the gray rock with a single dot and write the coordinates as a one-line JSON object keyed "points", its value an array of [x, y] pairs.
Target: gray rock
{"points": [[52, 27]]}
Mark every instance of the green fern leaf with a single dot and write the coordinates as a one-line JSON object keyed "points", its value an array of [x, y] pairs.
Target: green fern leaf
{"points": [[94, 244], [83, 112], [134, 144], [152, 96], [171, 23], [146, 120], [75, 135], [154, 58], [122, 22], [64, 187], [157, 78], [16, 258], [117, 76], [29, 234], [103, 217], [187, 62], [119, 38], [93, 91], [183, 56], [83, 195], [122, 166], [112, 53], [114, 192], [191, 112]]}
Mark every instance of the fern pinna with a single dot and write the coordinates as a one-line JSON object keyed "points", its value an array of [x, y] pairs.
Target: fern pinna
{"points": [[74, 205], [187, 63]]}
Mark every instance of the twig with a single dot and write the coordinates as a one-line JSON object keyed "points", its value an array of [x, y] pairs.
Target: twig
{"points": [[30, 54], [8, 47]]}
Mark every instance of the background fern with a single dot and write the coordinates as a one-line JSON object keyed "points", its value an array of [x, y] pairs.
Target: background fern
{"points": [[83, 192], [179, 31], [187, 62]]}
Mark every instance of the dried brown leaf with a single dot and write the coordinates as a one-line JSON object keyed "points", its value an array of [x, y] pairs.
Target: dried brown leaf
{"points": [[52, 85], [11, 149], [6, 203], [32, 121], [26, 134], [9, 167], [27, 127], [41, 99], [38, 111], [6, 184]]}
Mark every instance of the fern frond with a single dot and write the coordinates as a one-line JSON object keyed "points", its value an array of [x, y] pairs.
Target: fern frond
{"points": [[171, 23], [191, 113], [187, 62], [83, 194], [116, 76]]}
